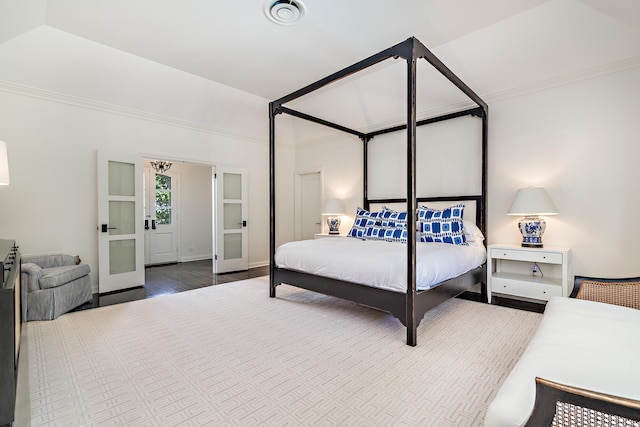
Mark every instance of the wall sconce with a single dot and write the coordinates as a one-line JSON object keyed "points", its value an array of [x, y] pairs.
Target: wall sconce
{"points": [[529, 203], [333, 208], [161, 166], [4, 164]]}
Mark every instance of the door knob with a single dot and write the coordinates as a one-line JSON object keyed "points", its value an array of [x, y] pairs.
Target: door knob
{"points": [[105, 228]]}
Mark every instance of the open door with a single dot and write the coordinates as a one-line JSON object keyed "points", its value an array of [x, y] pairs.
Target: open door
{"points": [[120, 221], [160, 217], [231, 236]]}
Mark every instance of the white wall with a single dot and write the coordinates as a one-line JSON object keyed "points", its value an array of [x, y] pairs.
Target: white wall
{"points": [[340, 158], [63, 98], [51, 204], [580, 141]]}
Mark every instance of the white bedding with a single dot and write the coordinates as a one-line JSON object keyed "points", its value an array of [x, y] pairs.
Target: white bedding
{"points": [[379, 263]]}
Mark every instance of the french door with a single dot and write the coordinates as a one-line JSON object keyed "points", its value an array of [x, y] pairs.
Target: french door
{"points": [[160, 217], [120, 221], [231, 235]]}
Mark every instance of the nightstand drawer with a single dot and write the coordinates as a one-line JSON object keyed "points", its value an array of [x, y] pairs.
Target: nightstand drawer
{"points": [[527, 255], [539, 291]]}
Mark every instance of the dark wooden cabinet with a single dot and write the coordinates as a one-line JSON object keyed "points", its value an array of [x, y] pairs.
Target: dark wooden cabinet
{"points": [[10, 327]]}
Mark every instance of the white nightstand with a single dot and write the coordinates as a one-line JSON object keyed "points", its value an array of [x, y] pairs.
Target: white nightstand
{"points": [[323, 235], [510, 271]]}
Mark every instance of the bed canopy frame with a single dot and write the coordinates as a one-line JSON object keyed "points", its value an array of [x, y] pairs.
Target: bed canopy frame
{"points": [[408, 307]]}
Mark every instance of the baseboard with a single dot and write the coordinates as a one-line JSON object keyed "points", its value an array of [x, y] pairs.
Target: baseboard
{"points": [[258, 264], [194, 258]]}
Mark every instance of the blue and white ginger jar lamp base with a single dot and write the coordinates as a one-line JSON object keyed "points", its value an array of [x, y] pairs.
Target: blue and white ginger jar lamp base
{"points": [[532, 228]]}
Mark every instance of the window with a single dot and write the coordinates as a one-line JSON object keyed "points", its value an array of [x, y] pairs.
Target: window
{"points": [[163, 199]]}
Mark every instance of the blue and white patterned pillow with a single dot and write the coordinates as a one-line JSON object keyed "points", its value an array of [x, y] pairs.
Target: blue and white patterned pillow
{"points": [[443, 226], [364, 219], [396, 219], [375, 232], [391, 218], [396, 234]]}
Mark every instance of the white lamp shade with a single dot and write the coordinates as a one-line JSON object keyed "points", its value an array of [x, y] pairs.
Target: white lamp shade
{"points": [[4, 164], [333, 207], [532, 201]]}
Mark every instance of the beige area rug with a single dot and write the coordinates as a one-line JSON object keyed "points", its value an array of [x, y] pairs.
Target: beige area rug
{"points": [[230, 355]]}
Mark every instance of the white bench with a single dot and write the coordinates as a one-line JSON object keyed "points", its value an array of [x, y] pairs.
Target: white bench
{"points": [[585, 344]]}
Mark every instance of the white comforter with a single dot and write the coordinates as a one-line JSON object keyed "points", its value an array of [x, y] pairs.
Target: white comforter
{"points": [[379, 263]]}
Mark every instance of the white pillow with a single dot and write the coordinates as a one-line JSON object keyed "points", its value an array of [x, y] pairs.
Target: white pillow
{"points": [[471, 232]]}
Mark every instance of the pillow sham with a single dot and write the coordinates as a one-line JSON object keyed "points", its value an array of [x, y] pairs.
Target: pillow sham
{"points": [[471, 231], [391, 218], [444, 226], [374, 232], [396, 234], [363, 219]]}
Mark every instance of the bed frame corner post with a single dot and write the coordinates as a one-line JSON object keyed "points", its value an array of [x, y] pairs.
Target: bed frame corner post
{"points": [[272, 199], [365, 171], [485, 167], [412, 322]]}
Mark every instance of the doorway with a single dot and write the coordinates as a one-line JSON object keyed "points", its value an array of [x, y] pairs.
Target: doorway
{"points": [[308, 195], [179, 199]]}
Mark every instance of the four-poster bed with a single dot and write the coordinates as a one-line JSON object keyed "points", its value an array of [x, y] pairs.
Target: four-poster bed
{"points": [[408, 306]]}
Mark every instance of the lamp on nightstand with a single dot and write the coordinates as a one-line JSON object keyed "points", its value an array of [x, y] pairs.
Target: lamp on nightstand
{"points": [[4, 164], [529, 203], [333, 208]]}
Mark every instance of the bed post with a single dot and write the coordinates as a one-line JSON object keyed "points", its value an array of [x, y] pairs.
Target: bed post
{"points": [[365, 171], [412, 322], [272, 199], [483, 203]]}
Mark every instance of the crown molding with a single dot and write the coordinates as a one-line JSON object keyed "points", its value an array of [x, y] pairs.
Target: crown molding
{"points": [[91, 104], [23, 90], [567, 79]]}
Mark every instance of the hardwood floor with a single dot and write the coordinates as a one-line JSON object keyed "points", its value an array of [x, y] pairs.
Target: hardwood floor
{"points": [[173, 278]]}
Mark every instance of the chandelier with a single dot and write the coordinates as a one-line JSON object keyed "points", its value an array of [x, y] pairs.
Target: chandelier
{"points": [[161, 166]]}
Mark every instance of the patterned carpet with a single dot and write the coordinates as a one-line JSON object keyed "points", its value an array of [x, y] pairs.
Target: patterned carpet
{"points": [[229, 355]]}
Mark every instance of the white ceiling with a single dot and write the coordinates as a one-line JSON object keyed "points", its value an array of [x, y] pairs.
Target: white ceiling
{"points": [[495, 46]]}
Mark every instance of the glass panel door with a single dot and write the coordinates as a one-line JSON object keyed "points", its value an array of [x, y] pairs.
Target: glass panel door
{"points": [[161, 230], [232, 237], [120, 219]]}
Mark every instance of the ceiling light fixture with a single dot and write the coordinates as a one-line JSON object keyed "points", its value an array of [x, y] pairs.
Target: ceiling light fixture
{"points": [[285, 12], [161, 166]]}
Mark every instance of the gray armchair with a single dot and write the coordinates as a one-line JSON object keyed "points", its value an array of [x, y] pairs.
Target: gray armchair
{"points": [[52, 285]]}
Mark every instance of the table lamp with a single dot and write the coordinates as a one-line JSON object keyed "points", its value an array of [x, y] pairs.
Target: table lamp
{"points": [[529, 203], [333, 208]]}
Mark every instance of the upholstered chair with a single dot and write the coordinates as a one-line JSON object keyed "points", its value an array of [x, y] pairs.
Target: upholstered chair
{"points": [[52, 285]]}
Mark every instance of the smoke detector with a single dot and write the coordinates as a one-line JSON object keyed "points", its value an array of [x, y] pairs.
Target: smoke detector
{"points": [[284, 12]]}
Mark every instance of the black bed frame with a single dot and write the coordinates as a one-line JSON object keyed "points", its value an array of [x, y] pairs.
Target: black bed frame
{"points": [[411, 306]]}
